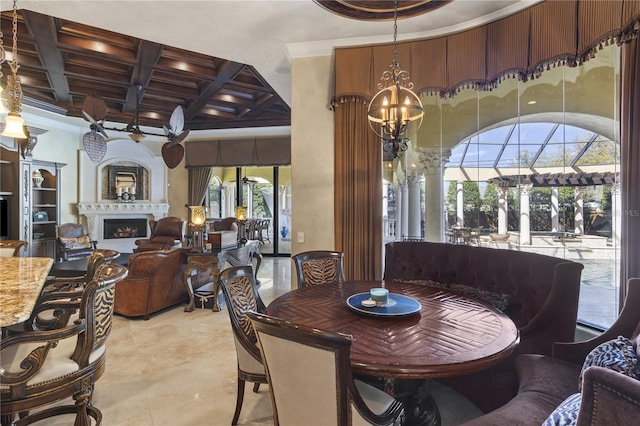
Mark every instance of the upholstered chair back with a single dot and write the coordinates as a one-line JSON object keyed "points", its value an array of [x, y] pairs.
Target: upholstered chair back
{"points": [[319, 267], [241, 296], [240, 292], [167, 227], [12, 248], [310, 377]]}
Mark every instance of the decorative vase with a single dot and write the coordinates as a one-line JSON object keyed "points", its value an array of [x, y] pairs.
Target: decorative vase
{"points": [[37, 178], [284, 231]]}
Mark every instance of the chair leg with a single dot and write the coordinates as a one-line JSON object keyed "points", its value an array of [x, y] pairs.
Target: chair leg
{"points": [[239, 400], [256, 387]]}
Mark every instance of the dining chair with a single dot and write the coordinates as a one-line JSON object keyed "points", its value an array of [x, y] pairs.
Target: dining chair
{"points": [[12, 248], [39, 368], [240, 292], [309, 373], [319, 267]]}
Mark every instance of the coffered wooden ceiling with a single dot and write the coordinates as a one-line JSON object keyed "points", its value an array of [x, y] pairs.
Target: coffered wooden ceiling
{"points": [[62, 62]]}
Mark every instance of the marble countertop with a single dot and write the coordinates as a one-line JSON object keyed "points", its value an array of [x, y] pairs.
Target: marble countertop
{"points": [[21, 280]]}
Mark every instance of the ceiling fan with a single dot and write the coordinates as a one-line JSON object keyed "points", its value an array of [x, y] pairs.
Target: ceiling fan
{"points": [[95, 112]]}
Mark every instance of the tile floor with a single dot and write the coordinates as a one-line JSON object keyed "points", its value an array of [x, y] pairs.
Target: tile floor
{"points": [[179, 368]]}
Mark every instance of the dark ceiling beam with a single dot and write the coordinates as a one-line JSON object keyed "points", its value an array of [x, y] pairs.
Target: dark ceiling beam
{"points": [[227, 72], [44, 32], [148, 56]]}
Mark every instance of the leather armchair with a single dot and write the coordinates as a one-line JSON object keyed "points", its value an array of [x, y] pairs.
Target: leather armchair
{"points": [[166, 233]]}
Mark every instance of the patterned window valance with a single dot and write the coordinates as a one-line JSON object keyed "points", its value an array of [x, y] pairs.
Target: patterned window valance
{"points": [[519, 46]]}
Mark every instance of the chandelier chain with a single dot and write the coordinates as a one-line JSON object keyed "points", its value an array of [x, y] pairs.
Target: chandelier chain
{"points": [[395, 31]]}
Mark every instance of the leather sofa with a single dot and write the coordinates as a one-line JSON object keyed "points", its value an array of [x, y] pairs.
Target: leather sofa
{"points": [[155, 282], [542, 294], [607, 397]]}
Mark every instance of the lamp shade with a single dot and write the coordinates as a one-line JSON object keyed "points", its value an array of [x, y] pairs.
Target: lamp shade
{"points": [[197, 215], [14, 126], [241, 213]]}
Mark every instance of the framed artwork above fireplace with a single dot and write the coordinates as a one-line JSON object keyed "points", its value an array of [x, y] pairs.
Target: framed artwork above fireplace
{"points": [[125, 174]]}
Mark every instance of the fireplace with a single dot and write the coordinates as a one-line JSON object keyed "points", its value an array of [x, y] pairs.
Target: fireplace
{"points": [[124, 228]]}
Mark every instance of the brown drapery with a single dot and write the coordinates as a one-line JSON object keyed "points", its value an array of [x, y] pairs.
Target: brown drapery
{"points": [[358, 193], [522, 45], [199, 178], [630, 159]]}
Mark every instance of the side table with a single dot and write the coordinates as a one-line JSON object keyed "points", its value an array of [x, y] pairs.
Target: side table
{"points": [[202, 266]]}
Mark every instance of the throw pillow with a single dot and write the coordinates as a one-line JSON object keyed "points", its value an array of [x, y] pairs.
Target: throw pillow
{"points": [[566, 413], [498, 301], [618, 355], [74, 243], [429, 283]]}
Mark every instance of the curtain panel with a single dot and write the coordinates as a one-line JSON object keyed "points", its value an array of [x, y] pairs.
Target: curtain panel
{"points": [[358, 193], [520, 46], [630, 165], [199, 178]]}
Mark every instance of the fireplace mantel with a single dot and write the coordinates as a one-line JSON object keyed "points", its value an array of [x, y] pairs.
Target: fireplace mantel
{"points": [[96, 213], [158, 210]]}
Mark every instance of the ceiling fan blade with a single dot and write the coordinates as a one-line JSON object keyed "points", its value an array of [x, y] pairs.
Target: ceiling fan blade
{"points": [[94, 124], [172, 155], [95, 107], [167, 132], [94, 145], [175, 140], [176, 122]]}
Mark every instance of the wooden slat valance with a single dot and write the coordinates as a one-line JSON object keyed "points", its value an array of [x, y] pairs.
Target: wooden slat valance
{"points": [[521, 45]]}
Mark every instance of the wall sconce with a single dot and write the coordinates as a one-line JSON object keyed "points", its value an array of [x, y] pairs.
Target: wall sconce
{"points": [[241, 218], [198, 217]]}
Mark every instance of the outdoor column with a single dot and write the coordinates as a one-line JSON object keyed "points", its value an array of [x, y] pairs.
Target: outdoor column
{"points": [[250, 200], [555, 210], [460, 203], [578, 209], [616, 214], [400, 208], [525, 227], [413, 182], [503, 210], [404, 188], [432, 160]]}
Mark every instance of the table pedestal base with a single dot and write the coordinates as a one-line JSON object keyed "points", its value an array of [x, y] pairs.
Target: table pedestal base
{"points": [[419, 406]]}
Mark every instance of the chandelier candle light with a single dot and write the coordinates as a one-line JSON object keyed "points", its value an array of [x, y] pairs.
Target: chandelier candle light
{"points": [[14, 124], [395, 106]]}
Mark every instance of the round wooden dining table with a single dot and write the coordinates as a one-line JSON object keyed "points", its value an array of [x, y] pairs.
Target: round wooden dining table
{"points": [[450, 335]]}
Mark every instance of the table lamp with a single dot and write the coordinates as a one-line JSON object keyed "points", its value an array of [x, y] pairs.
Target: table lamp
{"points": [[241, 218], [197, 222]]}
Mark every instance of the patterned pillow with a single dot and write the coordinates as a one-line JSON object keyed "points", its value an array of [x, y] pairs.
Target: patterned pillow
{"points": [[434, 284], [75, 243], [617, 355], [498, 301], [566, 413]]}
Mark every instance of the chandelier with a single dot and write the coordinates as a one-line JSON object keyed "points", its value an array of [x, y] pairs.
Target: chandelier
{"points": [[14, 124], [395, 106]]}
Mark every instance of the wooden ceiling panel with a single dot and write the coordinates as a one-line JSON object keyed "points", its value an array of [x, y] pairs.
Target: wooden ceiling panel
{"points": [[62, 62]]}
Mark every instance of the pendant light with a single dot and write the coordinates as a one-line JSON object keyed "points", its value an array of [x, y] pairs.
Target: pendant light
{"points": [[14, 124]]}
